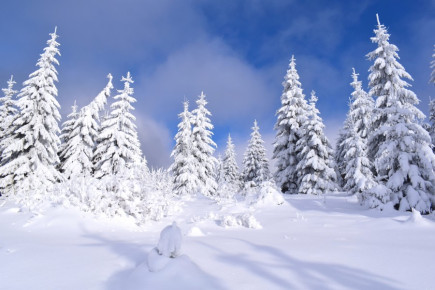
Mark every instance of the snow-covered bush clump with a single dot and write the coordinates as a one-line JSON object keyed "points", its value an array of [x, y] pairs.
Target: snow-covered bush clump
{"points": [[246, 220], [170, 241]]}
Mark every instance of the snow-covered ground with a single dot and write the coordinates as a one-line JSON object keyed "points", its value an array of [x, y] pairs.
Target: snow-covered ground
{"points": [[308, 242]]}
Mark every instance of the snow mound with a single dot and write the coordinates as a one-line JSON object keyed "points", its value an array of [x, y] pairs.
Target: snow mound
{"points": [[265, 195], [195, 232], [170, 241], [245, 220], [416, 218], [156, 262]]}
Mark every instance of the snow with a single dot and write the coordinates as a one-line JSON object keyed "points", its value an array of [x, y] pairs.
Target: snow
{"points": [[308, 242]]}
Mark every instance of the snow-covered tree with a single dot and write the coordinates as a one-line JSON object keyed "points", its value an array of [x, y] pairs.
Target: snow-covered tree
{"points": [[431, 126], [118, 146], [80, 147], [433, 67], [290, 117], [340, 151], [359, 176], [399, 146], [67, 128], [203, 148], [8, 112], [255, 163], [316, 167], [185, 181], [230, 168], [358, 120], [34, 146]]}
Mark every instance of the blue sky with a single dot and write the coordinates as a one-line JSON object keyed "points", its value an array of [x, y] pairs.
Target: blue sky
{"points": [[237, 52]]}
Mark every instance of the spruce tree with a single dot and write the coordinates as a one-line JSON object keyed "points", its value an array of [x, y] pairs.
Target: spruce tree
{"points": [[80, 147], [359, 176], [255, 163], [118, 146], [432, 80], [230, 168], [34, 146], [316, 167], [358, 120], [290, 117], [67, 128], [399, 145], [203, 148], [8, 112], [185, 181], [340, 151]]}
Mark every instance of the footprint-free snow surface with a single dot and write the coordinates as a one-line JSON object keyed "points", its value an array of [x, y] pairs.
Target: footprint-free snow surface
{"points": [[308, 242]]}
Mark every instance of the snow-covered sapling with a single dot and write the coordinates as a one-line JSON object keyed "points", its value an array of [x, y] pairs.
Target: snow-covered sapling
{"points": [[170, 241]]}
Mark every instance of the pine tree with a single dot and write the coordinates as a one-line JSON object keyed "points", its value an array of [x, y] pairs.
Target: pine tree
{"points": [[359, 176], [358, 120], [230, 168], [433, 67], [202, 147], [340, 151], [118, 146], [80, 147], [315, 168], [185, 181], [67, 128], [8, 112], [290, 117], [399, 145], [431, 127], [255, 163], [34, 148]]}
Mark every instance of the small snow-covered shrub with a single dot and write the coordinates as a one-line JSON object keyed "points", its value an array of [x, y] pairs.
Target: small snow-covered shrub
{"points": [[376, 197], [263, 195], [245, 220], [170, 241]]}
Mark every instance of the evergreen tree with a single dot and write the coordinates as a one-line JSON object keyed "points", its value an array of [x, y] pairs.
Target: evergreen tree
{"points": [[340, 151], [202, 147], [230, 168], [118, 146], [290, 117], [359, 116], [79, 149], [315, 168], [185, 181], [67, 128], [34, 145], [399, 145], [359, 176], [7, 115], [433, 67], [255, 163], [431, 127]]}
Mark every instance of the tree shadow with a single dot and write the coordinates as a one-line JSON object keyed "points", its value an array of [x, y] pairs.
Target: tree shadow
{"points": [[311, 275], [126, 278]]}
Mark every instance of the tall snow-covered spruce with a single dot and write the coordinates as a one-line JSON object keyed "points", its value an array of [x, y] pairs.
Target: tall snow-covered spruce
{"points": [[203, 148], [185, 181], [315, 169], [7, 115], [255, 163], [80, 147], [399, 146], [34, 145], [118, 146], [354, 134], [290, 118]]}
